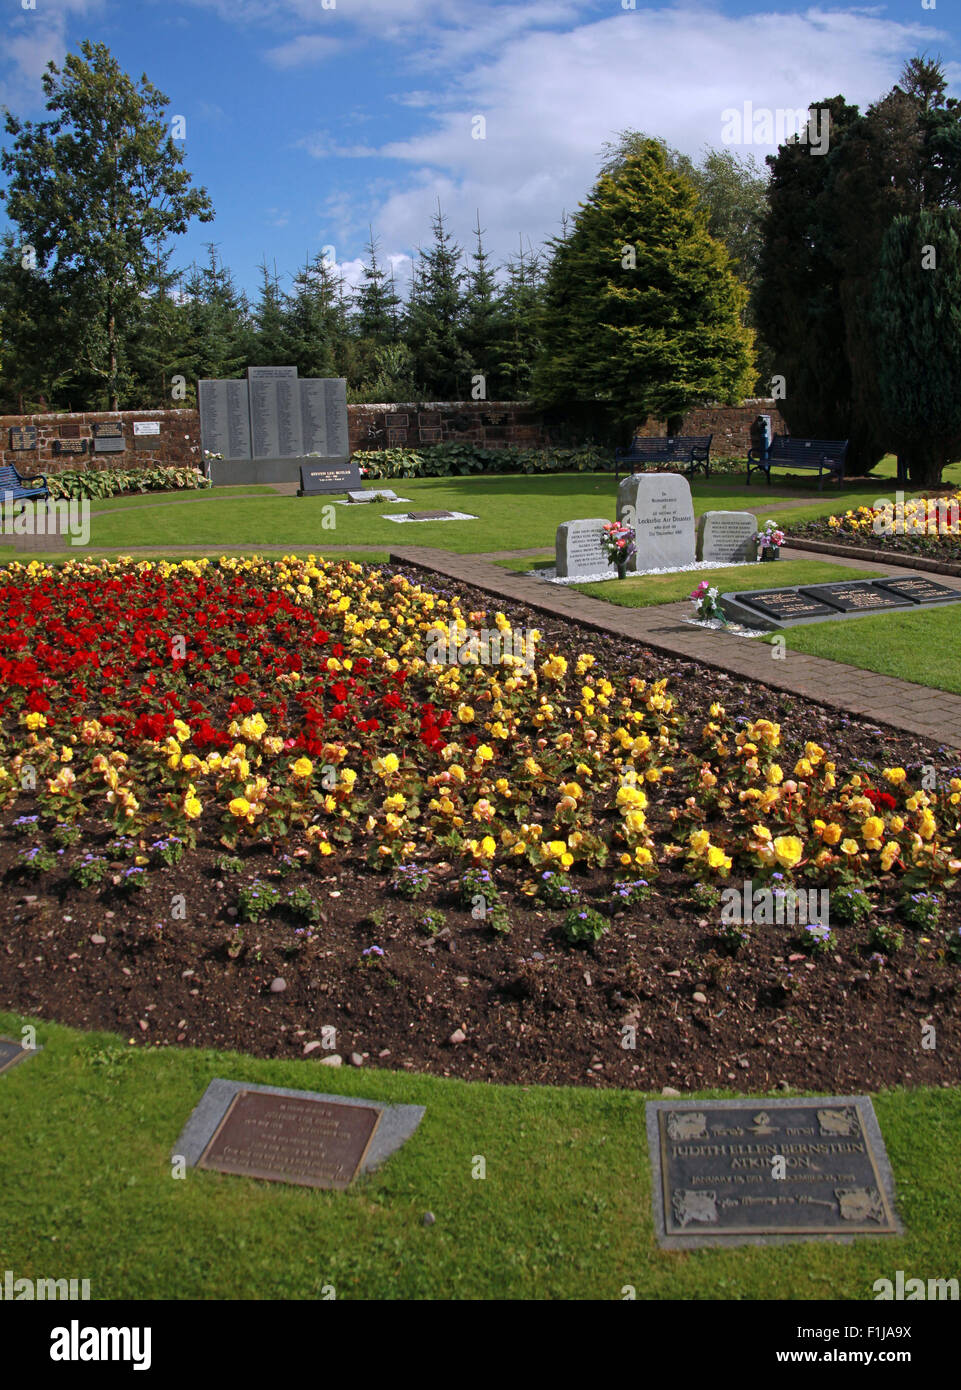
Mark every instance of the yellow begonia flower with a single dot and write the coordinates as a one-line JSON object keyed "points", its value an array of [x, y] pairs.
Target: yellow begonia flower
{"points": [[894, 775], [849, 846], [303, 767], [788, 850], [872, 828], [239, 807]]}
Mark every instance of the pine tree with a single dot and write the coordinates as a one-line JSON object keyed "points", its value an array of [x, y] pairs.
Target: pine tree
{"points": [[317, 320], [216, 338], [482, 326], [520, 303], [433, 318], [271, 343], [643, 310]]}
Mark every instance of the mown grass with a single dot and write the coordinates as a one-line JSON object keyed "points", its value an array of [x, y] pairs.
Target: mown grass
{"points": [[922, 646], [643, 590], [564, 1212]]}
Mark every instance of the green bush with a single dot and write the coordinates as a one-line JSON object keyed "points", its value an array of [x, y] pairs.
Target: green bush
{"points": [[456, 460], [94, 484]]}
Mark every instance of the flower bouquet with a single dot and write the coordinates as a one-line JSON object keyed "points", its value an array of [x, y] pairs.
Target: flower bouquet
{"points": [[769, 541], [620, 545], [705, 603]]}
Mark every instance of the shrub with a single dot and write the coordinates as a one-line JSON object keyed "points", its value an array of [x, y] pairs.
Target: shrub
{"points": [[455, 460], [584, 925], [93, 484]]}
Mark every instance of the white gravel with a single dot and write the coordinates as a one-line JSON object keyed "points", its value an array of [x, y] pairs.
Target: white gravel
{"points": [[551, 575]]}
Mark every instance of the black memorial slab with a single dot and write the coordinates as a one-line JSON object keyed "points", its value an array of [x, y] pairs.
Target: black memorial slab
{"points": [[320, 476], [753, 1169], [919, 590], [857, 596], [23, 437], [787, 604]]}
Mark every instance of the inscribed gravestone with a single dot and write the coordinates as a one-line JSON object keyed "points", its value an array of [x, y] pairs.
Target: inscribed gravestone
{"points": [[660, 508], [726, 537], [757, 1170], [919, 589], [328, 475], [856, 597], [579, 548], [786, 604], [313, 416], [338, 439]]}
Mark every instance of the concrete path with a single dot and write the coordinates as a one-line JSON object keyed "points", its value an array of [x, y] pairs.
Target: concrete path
{"points": [[917, 709]]}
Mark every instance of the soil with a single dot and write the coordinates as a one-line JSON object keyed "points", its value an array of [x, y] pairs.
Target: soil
{"points": [[530, 1007]]}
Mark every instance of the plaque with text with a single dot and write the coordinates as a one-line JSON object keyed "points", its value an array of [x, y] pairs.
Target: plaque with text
{"points": [[312, 1143], [23, 437], [108, 429], [147, 441], [397, 422], [429, 418], [430, 435], [338, 437], [787, 604], [224, 418], [108, 445], [313, 416], [70, 446], [757, 1168], [69, 431], [860, 596], [395, 437], [919, 590], [318, 476], [275, 419]]}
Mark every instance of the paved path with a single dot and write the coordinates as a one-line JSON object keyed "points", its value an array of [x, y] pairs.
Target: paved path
{"points": [[932, 714]]}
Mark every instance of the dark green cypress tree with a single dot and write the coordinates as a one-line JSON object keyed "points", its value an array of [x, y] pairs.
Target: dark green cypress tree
{"points": [[434, 318]]}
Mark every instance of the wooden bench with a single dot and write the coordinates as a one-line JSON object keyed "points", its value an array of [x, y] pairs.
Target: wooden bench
{"points": [[13, 488], [691, 450], [820, 455]]}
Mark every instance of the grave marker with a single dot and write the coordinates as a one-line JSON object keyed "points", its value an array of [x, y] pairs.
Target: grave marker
{"points": [[660, 508], [579, 548], [726, 537]]}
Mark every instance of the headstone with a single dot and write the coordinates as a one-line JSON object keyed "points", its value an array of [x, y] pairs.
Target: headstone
{"points": [[23, 437], [275, 416], [660, 508], [319, 476], [579, 548], [301, 1137], [225, 418], [726, 537], [765, 1171], [11, 1053], [858, 596], [919, 590]]}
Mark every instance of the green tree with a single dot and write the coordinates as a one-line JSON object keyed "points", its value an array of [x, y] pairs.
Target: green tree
{"points": [[520, 302], [271, 341], [643, 310], [215, 332], [482, 325], [96, 190], [916, 315], [317, 326], [434, 315]]}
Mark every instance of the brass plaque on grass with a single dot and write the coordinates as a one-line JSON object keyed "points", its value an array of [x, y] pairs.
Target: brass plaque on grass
{"points": [[314, 1143]]}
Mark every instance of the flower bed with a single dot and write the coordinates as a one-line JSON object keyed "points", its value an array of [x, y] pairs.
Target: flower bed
{"points": [[924, 526], [218, 744]]}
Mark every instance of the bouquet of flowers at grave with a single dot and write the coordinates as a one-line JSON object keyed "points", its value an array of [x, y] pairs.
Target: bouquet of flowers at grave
{"points": [[770, 536], [619, 543], [704, 599]]}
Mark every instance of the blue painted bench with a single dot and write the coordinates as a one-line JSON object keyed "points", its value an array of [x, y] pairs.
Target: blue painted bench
{"points": [[691, 450], [826, 456], [13, 488]]}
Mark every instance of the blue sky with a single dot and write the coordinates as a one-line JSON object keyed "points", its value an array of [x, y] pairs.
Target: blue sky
{"points": [[307, 120]]}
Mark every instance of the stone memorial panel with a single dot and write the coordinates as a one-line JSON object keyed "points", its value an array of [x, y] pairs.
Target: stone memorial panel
{"points": [[143, 427], [786, 604], [397, 422], [69, 431], [275, 415], [70, 446], [761, 1170], [313, 416], [919, 590], [430, 434], [108, 429], [579, 548], [147, 441], [395, 437], [23, 437], [318, 476], [108, 445], [225, 418], [310, 1142], [431, 516], [660, 508], [859, 596], [727, 537], [338, 436]]}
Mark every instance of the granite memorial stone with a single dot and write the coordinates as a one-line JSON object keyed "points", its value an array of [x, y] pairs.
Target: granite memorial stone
{"points": [[579, 548], [859, 596], [319, 476], [756, 1171], [726, 537], [786, 604], [660, 508], [919, 590], [23, 437], [276, 426], [225, 418]]}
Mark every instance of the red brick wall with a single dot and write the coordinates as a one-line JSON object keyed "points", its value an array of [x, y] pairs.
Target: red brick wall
{"points": [[490, 424]]}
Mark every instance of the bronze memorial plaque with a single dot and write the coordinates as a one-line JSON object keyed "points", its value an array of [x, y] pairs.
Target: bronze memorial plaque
{"points": [[804, 1168], [314, 1143], [11, 1053]]}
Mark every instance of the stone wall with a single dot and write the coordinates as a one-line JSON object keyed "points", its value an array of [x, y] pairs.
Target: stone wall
{"points": [[67, 441]]}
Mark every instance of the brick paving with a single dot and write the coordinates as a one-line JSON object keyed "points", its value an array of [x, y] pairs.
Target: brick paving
{"points": [[917, 709]]}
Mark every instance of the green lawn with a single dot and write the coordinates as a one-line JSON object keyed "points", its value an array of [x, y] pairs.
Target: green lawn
{"points": [[923, 647], [644, 590], [564, 1211]]}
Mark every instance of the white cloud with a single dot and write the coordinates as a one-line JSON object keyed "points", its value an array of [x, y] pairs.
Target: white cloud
{"points": [[304, 51], [33, 39], [551, 100]]}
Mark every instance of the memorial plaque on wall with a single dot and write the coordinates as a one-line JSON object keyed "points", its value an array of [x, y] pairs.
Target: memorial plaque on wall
{"points": [[312, 1143], [24, 437], [109, 445], [397, 422], [313, 416], [760, 1170], [225, 418], [430, 435], [430, 418], [69, 431], [108, 429], [395, 437], [70, 446], [147, 441], [338, 436], [275, 419]]}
